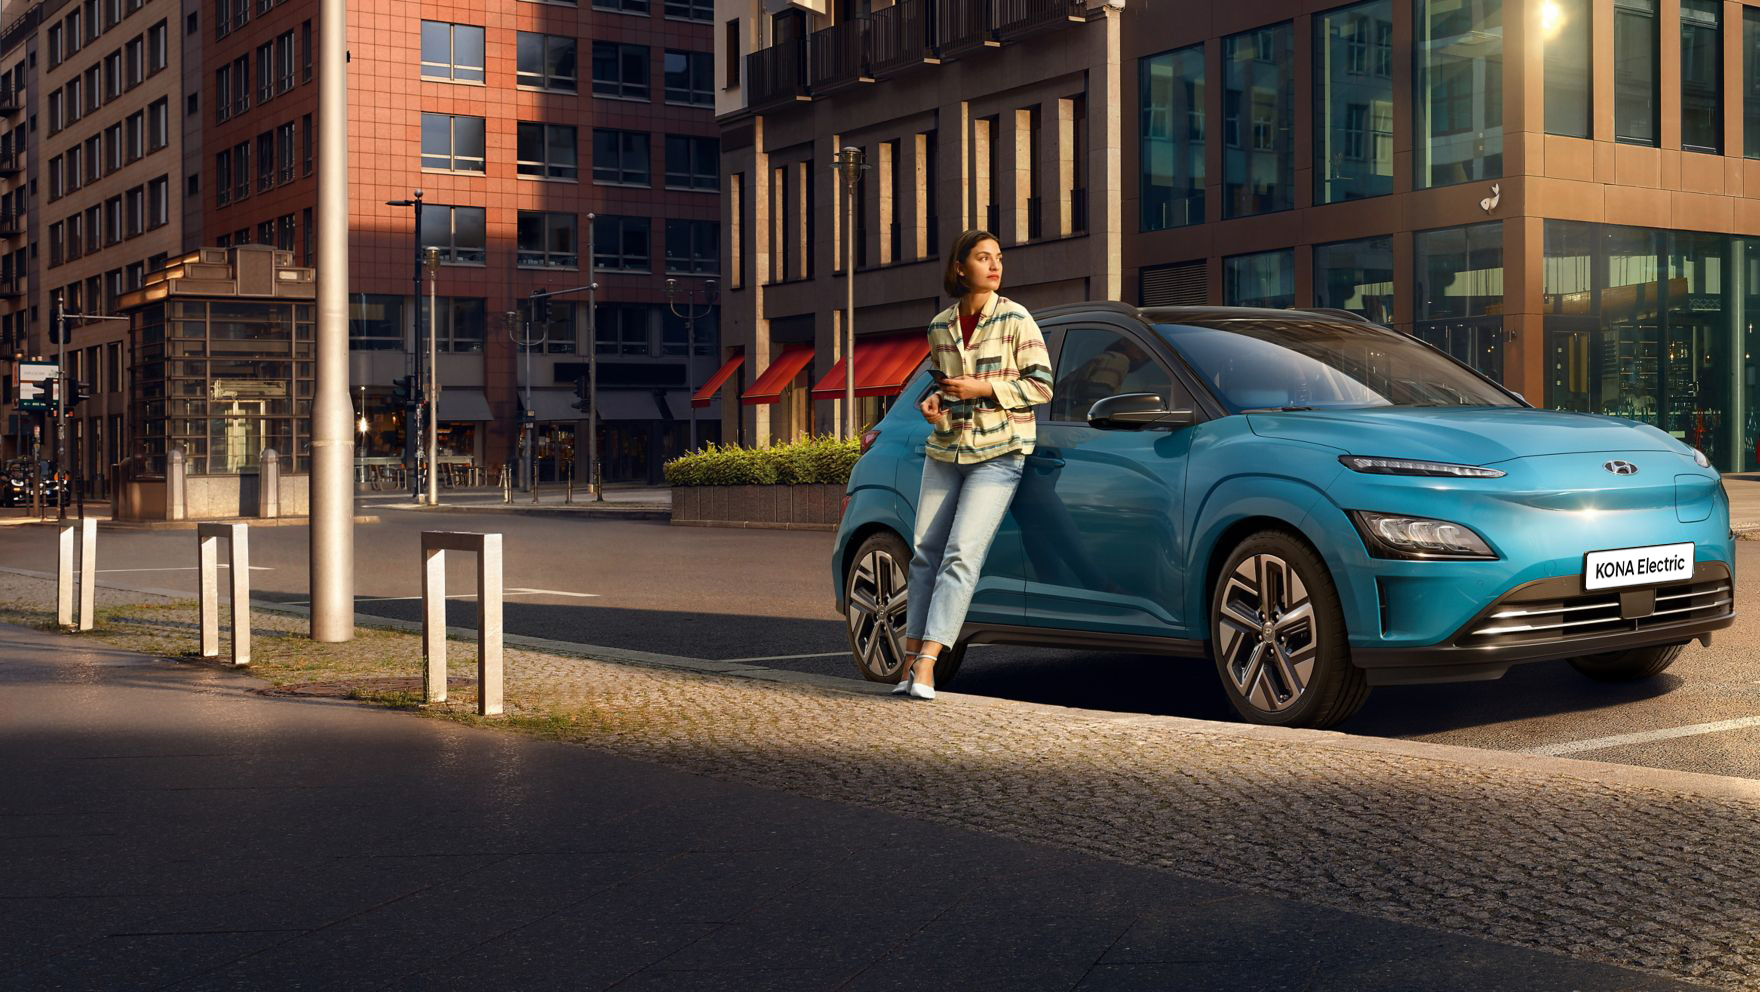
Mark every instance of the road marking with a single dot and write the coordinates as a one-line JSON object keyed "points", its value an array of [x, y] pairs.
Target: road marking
{"points": [[182, 568], [1644, 737], [553, 592]]}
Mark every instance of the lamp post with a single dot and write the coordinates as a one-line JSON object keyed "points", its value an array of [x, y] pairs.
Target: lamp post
{"points": [[528, 423], [412, 432], [849, 165], [674, 294], [431, 396]]}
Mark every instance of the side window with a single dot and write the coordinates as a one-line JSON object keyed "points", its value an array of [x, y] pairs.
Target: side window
{"points": [[1095, 363]]}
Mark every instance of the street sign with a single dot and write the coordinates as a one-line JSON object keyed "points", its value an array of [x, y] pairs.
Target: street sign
{"points": [[27, 385]]}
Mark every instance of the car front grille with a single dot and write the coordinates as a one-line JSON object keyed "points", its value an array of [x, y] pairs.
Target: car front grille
{"points": [[1540, 613]]}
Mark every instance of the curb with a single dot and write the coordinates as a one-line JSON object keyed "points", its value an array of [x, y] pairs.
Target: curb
{"points": [[633, 513], [756, 525]]}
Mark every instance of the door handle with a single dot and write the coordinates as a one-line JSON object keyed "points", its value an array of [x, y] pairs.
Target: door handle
{"points": [[1045, 461]]}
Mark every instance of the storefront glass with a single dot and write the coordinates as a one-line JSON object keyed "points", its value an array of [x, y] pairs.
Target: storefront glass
{"points": [[1356, 276], [1651, 334], [1459, 105], [1459, 293], [1353, 102]]}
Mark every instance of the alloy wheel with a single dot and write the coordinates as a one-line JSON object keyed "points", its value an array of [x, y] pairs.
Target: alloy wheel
{"points": [[1265, 629], [877, 602]]}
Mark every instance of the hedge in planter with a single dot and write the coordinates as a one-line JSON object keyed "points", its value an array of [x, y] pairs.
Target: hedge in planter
{"points": [[810, 461]]}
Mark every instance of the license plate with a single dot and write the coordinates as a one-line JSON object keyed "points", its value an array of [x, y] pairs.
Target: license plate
{"points": [[1649, 566]]}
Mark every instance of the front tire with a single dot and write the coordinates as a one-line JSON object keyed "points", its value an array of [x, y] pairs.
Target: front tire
{"points": [[1629, 665], [876, 595], [1278, 635]]}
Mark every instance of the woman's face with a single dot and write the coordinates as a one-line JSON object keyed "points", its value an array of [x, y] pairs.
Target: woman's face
{"points": [[982, 268]]}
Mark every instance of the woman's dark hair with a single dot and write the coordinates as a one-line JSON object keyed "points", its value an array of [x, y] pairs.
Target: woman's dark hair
{"points": [[956, 256]]}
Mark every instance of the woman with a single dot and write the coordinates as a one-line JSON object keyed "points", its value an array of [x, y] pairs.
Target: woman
{"points": [[996, 371]]}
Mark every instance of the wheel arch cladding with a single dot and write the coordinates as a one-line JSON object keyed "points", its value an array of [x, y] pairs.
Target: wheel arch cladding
{"points": [[1233, 510]]}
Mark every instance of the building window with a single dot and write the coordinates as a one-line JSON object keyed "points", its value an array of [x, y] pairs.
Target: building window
{"points": [[548, 151], [621, 157], [450, 143], [136, 201], [241, 170], [693, 247], [452, 51], [241, 85], [158, 124], [223, 180], [459, 324], [308, 147], [113, 221], [702, 11], [158, 56], [265, 161], [159, 202], [556, 336], [692, 162], [57, 243], [265, 72], [1353, 95], [622, 6], [113, 150], [56, 44], [547, 61], [731, 48], [1702, 76], [690, 78], [134, 59], [375, 323], [1458, 299], [1459, 100], [1356, 276], [284, 62], [1635, 77], [1259, 84], [621, 243], [112, 75], [548, 240], [137, 134], [1564, 31], [620, 70], [623, 329], [458, 232], [57, 111], [1267, 279], [1751, 82]]}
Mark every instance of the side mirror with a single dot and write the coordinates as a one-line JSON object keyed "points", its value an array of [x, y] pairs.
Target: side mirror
{"points": [[1134, 411]]}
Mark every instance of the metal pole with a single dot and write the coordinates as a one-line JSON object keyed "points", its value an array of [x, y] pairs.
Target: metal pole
{"points": [[332, 499], [431, 398], [530, 423], [849, 314], [690, 362], [593, 368], [61, 404]]}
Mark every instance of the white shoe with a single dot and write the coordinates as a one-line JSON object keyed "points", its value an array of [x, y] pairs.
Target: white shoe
{"points": [[910, 676], [920, 691]]}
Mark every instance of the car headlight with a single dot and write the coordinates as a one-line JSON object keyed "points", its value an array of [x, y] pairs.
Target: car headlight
{"points": [[1390, 535], [1700, 460], [1406, 466]]}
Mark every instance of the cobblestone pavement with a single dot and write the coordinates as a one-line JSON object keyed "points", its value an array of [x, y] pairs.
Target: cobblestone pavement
{"points": [[1552, 855]]}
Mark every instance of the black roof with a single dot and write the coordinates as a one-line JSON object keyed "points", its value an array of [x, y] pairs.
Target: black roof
{"points": [[1199, 316]]}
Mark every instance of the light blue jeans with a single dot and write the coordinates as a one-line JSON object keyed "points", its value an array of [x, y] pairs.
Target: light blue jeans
{"points": [[958, 511]]}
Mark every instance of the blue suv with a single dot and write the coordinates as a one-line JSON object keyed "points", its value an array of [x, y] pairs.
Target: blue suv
{"points": [[1318, 504]]}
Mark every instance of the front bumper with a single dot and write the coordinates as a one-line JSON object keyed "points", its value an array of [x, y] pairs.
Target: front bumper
{"points": [[1554, 619]]}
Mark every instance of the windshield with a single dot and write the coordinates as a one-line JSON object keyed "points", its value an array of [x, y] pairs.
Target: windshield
{"points": [[1259, 364]]}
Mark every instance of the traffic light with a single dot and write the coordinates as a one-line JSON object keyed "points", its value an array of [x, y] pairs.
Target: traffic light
{"points": [[540, 307], [403, 391], [80, 391], [580, 392]]}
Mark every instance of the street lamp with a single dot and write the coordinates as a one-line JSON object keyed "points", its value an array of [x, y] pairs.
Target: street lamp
{"points": [[431, 395], [849, 165], [711, 290], [412, 432], [528, 424]]}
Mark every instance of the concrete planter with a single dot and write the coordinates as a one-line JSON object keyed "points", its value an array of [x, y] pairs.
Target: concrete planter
{"points": [[804, 507]]}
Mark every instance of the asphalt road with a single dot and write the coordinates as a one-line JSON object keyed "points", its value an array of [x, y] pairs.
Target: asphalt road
{"points": [[757, 594]]}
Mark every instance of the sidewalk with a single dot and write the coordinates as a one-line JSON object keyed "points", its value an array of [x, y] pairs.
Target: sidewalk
{"points": [[715, 825], [168, 827]]}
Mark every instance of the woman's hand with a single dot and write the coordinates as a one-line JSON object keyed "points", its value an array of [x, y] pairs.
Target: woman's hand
{"points": [[967, 387], [930, 408]]}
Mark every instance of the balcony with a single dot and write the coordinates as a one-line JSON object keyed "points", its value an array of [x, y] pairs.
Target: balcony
{"points": [[10, 164], [11, 223], [963, 26], [11, 286], [9, 100], [777, 76], [899, 37], [839, 57], [1012, 19]]}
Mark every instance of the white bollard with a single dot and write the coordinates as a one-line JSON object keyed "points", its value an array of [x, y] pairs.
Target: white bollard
{"points": [[87, 528], [490, 676], [237, 538]]}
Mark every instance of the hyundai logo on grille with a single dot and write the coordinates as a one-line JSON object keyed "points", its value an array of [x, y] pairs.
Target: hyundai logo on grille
{"points": [[1618, 467]]}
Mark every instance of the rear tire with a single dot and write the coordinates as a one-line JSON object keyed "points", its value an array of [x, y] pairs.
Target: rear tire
{"points": [[1278, 635], [1629, 665]]}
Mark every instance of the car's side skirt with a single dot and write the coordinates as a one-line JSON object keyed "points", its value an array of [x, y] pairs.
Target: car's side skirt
{"points": [[1055, 637]]}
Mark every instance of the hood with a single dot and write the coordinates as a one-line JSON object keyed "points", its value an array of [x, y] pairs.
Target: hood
{"points": [[1466, 435]]}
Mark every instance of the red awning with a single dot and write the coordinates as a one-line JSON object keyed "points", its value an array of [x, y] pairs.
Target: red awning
{"points": [[702, 396], [769, 387], [883, 365]]}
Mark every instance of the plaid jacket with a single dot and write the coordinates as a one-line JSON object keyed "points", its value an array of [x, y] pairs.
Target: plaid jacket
{"points": [[1008, 351]]}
